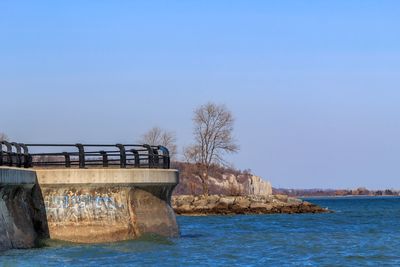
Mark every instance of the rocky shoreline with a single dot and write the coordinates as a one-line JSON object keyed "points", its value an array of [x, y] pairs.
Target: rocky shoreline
{"points": [[190, 205]]}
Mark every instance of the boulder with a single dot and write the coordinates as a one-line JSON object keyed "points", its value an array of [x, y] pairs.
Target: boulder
{"points": [[186, 208], [242, 202], [283, 198], [258, 205], [213, 199], [227, 200], [184, 199], [292, 200], [200, 202]]}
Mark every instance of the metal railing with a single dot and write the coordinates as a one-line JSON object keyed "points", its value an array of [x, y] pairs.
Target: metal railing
{"points": [[84, 156]]}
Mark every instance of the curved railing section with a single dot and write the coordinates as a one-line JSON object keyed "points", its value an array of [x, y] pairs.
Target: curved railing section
{"points": [[83, 155]]}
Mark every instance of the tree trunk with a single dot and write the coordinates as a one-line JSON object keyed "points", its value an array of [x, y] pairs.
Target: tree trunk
{"points": [[205, 183]]}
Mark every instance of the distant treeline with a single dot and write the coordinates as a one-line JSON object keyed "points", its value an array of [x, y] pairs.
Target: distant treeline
{"points": [[336, 192]]}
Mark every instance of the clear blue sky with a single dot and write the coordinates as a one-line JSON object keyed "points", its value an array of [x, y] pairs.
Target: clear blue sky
{"points": [[314, 85]]}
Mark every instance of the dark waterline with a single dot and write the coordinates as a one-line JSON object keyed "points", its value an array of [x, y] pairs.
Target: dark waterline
{"points": [[362, 231]]}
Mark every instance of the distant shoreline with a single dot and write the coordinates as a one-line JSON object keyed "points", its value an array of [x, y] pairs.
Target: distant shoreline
{"points": [[350, 196], [315, 192]]}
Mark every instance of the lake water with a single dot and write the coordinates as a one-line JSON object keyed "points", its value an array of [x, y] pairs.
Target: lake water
{"points": [[361, 232]]}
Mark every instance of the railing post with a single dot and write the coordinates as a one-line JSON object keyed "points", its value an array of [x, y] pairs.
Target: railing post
{"points": [[27, 156], [18, 155], [166, 158], [156, 158], [9, 152], [81, 152], [150, 155], [137, 159], [105, 158], [67, 160], [1, 154], [122, 153]]}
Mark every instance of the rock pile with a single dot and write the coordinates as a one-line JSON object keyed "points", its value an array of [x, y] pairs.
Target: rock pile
{"points": [[251, 204]]}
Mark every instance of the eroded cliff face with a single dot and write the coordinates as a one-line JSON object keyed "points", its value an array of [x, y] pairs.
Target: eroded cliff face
{"points": [[221, 181], [240, 185], [257, 186]]}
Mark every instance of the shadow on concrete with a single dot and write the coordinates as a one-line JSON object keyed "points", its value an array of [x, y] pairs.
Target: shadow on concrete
{"points": [[39, 216]]}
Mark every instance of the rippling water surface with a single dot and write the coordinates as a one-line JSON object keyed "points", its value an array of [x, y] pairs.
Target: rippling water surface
{"points": [[361, 232]]}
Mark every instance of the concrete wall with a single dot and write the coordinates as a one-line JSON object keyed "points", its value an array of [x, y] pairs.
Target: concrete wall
{"points": [[107, 176], [17, 176], [22, 216], [93, 205]]}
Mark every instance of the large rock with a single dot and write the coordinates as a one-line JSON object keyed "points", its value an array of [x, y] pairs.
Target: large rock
{"points": [[227, 200], [283, 198], [242, 202]]}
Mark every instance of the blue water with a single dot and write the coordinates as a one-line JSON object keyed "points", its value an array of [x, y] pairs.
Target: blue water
{"points": [[361, 232]]}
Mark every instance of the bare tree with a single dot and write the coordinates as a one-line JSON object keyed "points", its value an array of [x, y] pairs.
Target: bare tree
{"points": [[213, 128], [3, 137], [158, 136]]}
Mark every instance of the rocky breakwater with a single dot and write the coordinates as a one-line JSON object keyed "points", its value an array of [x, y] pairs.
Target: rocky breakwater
{"points": [[250, 204]]}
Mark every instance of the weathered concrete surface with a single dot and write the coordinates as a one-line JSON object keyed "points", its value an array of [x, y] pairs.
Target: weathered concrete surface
{"points": [[108, 176], [22, 216], [106, 205], [17, 176]]}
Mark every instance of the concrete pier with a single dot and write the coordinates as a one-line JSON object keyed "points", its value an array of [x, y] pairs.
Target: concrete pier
{"points": [[85, 205], [105, 205]]}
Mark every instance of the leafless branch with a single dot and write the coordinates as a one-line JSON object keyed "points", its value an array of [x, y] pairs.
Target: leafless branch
{"points": [[158, 136], [3, 137]]}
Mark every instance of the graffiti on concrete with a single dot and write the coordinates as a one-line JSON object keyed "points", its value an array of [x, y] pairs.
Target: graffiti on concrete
{"points": [[76, 207]]}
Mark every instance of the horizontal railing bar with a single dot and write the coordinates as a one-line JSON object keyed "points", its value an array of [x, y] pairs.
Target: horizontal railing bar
{"points": [[73, 145], [88, 153], [87, 145]]}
